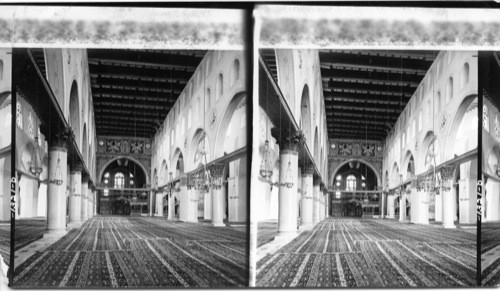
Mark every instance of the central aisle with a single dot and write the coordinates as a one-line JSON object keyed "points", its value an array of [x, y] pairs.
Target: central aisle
{"points": [[137, 251], [372, 253]]}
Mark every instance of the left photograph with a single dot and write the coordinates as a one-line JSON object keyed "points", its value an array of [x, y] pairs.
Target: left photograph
{"points": [[132, 168]]}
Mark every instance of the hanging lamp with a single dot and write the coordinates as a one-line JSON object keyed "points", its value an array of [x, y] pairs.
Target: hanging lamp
{"points": [[265, 167], [35, 167]]}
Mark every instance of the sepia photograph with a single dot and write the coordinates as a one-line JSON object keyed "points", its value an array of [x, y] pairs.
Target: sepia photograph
{"points": [[368, 167], [131, 161]]}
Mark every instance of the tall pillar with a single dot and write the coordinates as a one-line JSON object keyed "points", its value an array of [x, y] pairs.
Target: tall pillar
{"points": [[96, 201], [316, 201], [415, 203], [449, 203], [56, 196], [90, 202], [402, 206], [171, 206], [307, 205], [207, 205], [438, 209], [151, 199], [75, 196], [492, 189], [382, 205], [391, 211], [327, 204], [287, 197], [85, 198], [159, 204], [216, 172]]}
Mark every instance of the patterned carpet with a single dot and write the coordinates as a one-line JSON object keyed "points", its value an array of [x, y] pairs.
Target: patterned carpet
{"points": [[29, 230], [372, 253], [266, 231], [5, 241], [139, 252], [490, 254]]}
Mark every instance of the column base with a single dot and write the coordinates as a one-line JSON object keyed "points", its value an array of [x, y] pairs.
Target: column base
{"points": [[316, 221], [306, 226], [74, 224], [218, 224], [284, 235], [449, 226], [51, 233]]}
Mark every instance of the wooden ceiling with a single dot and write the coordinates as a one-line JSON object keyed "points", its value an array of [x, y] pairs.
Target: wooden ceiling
{"points": [[133, 90], [365, 91]]}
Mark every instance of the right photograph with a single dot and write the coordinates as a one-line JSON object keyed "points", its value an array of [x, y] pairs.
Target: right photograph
{"points": [[368, 168], [489, 76]]}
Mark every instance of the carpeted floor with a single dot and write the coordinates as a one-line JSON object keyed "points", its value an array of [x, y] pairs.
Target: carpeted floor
{"points": [[5, 241], [29, 230], [139, 252], [372, 253], [490, 254]]}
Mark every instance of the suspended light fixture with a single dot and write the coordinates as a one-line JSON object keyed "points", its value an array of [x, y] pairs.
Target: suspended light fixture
{"points": [[266, 170], [35, 167], [58, 174]]}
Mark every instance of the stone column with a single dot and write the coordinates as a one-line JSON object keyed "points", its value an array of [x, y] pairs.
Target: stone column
{"points": [[90, 203], [492, 189], [159, 204], [449, 193], [438, 208], [287, 197], [415, 202], [402, 206], [307, 204], [327, 214], [85, 198], [171, 206], [391, 211], [56, 198], [217, 172], [207, 205], [383, 205], [151, 202], [316, 201], [75, 195]]}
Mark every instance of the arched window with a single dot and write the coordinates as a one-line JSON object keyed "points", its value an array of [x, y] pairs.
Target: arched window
{"points": [[235, 72], [413, 128], [183, 124], [1, 69], [207, 71], [119, 180], [350, 184], [190, 113], [19, 115], [464, 78], [220, 86], [449, 89], [403, 140], [31, 132]]}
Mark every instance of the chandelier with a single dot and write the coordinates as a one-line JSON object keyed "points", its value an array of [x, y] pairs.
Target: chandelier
{"points": [[266, 170], [35, 167], [58, 180]]}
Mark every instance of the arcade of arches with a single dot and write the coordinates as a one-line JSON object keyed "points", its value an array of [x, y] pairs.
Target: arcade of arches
{"points": [[131, 159], [368, 166]]}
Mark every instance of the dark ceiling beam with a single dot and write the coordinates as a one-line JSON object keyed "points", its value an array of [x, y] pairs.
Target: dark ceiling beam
{"points": [[139, 64], [135, 77], [136, 88], [370, 68], [146, 72], [369, 81], [131, 112], [333, 100], [137, 106], [370, 128], [363, 109], [132, 84], [341, 120], [127, 118], [369, 92], [423, 55], [122, 97], [360, 116]]}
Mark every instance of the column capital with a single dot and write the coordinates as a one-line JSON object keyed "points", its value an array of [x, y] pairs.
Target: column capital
{"points": [[307, 170], [85, 178], [447, 172], [76, 167], [288, 139], [316, 181], [62, 138]]}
